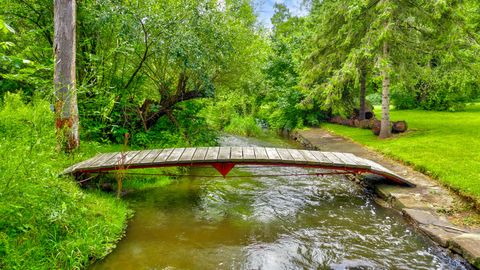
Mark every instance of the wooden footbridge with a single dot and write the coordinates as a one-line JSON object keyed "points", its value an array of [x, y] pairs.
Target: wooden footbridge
{"points": [[225, 158]]}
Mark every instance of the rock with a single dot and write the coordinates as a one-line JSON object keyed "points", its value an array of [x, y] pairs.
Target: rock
{"points": [[423, 217], [439, 234], [468, 245]]}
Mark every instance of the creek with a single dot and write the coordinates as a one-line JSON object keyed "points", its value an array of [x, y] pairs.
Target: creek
{"points": [[248, 221]]}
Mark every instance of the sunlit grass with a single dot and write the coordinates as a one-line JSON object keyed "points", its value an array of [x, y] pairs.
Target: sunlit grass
{"points": [[444, 145]]}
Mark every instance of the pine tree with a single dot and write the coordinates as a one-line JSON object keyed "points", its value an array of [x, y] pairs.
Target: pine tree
{"points": [[393, 38]]}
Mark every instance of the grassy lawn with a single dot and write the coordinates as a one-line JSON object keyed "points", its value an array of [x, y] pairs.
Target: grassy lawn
{"points": [[443, 145]]}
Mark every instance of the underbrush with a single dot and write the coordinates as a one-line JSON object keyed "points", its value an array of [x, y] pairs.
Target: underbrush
{"points": [[243, 125], [48, 221]]}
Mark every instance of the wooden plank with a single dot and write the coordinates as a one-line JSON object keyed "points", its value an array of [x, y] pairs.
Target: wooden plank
{"points": [[200, 154], [334, 159], [138, 158], [212, 154], [175, 155], [358, 160], [80, 165], [376, 167], [236, 153], [187, 155], [87, 163], [83, 164], [322, 159], [151, 156], [103, 161], [129, 156], [248, 154], [309, 157], [120, 159], [113, 161], [297, 156], [162, 157], [260, 153], [345, 159], [224, 154], [285, 155], [273, 154]]}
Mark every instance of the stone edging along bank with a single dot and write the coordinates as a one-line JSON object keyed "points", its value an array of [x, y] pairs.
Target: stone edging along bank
{"points": [[423, 205]]}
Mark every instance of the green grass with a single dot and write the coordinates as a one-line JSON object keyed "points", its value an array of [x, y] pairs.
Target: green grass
{"points": [[47, 221], [443, 145]]}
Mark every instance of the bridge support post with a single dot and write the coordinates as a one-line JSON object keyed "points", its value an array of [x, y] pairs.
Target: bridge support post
{"points": [[223, 168]]}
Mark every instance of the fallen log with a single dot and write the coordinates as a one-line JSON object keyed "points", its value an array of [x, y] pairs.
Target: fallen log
{"points": [[399, 127]]}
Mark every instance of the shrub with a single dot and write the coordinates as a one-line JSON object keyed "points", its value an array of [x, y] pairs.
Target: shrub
{"points": [[243, 125]]}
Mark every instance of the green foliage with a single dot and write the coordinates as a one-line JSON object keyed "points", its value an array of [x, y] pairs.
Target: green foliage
{"points": [[18, 73], [283, 105], [432, 61], [171, 52], [444, 145], [47, 221], [243, 125], [193, 129]]}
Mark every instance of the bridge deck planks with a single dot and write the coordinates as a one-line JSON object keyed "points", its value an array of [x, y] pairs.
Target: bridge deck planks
{"points": [[162, 157], [321, 157], [261, 154], [175, 155], [248, 154], [238, 155], [272, 154], [187, 155], [309, 157], [285, 155], [200, 154], [140, 156], [224, 154], [297, 156], [212, 153], [334, 159], [151, 156]]}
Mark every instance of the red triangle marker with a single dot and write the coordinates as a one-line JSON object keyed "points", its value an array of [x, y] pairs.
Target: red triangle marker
{"points": [[223, 168]]}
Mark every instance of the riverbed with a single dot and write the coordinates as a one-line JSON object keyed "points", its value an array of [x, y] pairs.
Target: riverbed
{"points": [[253, 220]]}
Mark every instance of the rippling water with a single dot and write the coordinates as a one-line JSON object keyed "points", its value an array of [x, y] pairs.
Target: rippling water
{"points": [[288, 222]]}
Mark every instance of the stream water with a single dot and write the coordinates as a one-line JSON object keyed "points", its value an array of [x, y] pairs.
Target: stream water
{"points": [[252, 222]]}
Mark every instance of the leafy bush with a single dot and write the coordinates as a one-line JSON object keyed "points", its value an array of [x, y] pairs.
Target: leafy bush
{"points": [[47, 221], [243, 125]]}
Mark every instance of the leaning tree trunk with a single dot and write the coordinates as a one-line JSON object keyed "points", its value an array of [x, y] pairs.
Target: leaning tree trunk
{"points": [[66, 110], [363, 86], [385, 129]]}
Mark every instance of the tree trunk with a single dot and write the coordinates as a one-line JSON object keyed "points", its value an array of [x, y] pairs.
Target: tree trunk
{"points": [[363, 85], [385, 129], [66, 110]]}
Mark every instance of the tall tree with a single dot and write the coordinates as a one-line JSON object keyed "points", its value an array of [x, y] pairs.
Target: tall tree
{"points": [[402, 37], [66, 110]]}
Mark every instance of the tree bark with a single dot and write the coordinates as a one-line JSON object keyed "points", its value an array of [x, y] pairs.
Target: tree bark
{"points": [[385, 129], [363, 90], [66, 110]]}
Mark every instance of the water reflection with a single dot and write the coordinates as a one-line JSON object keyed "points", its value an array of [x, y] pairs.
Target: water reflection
{"points": [[268, 223]]}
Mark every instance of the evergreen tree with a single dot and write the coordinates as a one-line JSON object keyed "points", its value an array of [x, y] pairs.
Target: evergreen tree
{"points": [[393, 38]]}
